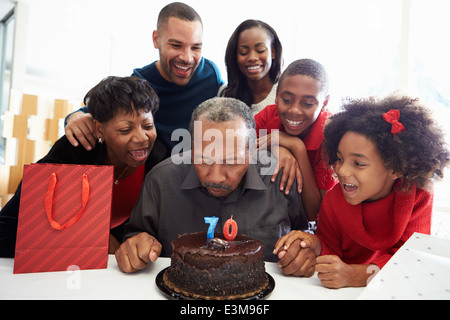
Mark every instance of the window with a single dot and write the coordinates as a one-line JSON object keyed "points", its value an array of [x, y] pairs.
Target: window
{"points": [[358, 42], [7, 38], [429, 54]]}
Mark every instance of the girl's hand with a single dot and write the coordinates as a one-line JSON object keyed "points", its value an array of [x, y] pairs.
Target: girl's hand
{"points": [[307, 240], [334, 273], [297, 261]]}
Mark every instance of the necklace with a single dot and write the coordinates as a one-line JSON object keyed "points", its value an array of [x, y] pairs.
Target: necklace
{"points": [[116, 180]]}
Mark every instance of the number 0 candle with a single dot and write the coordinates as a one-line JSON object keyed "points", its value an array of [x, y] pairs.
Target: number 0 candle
{"points": [[230, 224]]}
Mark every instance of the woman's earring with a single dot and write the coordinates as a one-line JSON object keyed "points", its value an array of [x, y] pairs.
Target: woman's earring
{"points": [[100, 140]]}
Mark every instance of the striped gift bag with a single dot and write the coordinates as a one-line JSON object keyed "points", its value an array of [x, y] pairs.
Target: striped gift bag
{"points": [[64, 218]]}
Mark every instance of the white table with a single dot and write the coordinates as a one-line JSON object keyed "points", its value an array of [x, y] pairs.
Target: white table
{"points": [[420, 270], [111, 283]]}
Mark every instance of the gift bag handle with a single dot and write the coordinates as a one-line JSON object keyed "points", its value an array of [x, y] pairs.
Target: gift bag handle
{"points": [[49, 202]]}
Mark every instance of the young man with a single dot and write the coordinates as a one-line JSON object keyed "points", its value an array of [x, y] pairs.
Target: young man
{"points": [[181, 77]]}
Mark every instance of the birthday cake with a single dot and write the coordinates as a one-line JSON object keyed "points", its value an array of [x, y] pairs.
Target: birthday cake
{"points": [[216, 269]]}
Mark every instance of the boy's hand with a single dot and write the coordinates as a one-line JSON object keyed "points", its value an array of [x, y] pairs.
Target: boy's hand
{"points": [[285, 161], [291, 170]]}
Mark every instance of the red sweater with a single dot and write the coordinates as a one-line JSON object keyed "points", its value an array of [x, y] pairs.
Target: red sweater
{"points": [[125, 196], [370, 233]]}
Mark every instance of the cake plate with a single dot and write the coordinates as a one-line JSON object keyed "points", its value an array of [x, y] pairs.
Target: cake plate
{"points": [[172, 295]]}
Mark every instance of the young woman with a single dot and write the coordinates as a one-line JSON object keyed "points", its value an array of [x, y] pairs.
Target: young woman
{"points": [[254, 59]]}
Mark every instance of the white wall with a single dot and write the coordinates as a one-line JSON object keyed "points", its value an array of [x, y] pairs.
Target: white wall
{"points": [[73, 44]]}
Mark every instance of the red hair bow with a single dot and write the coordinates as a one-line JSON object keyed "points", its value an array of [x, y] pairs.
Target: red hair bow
{"points": [[392, 117]]}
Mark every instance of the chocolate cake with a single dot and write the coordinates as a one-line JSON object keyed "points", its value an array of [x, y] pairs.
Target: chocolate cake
{"points": [[218, 269]]}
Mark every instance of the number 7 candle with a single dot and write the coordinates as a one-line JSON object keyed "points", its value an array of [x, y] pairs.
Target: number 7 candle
{"points": [[212, 226]]}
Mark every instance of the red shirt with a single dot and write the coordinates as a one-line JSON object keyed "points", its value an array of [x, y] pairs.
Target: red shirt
{"points": [[372, 232], [268, 119], [125, 195]]}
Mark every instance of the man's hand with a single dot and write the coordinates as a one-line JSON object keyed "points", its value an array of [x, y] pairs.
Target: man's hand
{"points": [[113, 244], [297, 261], [135, 253], [307, 240], [80, 126], [297, 252]]}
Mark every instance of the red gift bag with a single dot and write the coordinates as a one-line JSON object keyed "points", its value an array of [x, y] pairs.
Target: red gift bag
{"points": [[64, 217]]}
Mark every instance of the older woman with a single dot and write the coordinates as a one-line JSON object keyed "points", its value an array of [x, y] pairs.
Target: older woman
{"points": [[123, 110]]}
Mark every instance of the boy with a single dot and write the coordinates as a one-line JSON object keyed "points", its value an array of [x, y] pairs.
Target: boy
{"points": [[299, 115]]}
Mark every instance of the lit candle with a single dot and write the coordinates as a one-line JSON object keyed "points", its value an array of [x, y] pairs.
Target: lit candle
{"points": [[212, 225], [230, 223]]}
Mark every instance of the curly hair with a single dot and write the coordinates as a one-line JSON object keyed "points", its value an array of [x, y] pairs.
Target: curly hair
{"points": [[419, 154]]}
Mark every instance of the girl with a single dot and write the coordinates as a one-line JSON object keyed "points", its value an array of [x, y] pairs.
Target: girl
{"points": [[385, 154], [254, 60]]}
